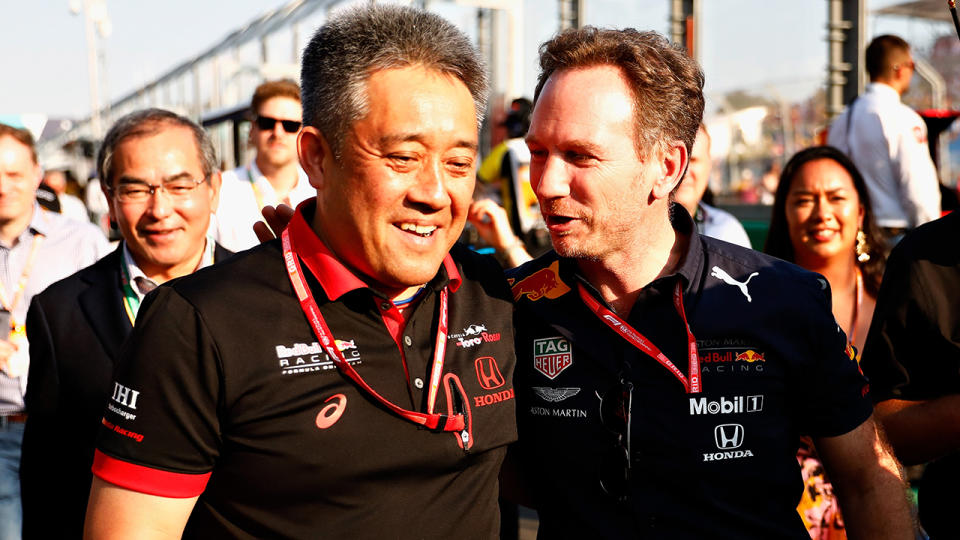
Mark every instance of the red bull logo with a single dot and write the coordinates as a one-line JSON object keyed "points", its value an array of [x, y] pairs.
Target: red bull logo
{"points": [[343, 345], [542, 283], [749, 355]]}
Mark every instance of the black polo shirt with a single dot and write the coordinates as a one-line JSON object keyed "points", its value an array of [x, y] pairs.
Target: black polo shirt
{"points": [[913, 349], [224, 393], [718, 464]]}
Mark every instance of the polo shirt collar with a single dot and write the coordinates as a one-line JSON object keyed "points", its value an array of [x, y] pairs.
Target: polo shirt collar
{"points": [[334, 277]]}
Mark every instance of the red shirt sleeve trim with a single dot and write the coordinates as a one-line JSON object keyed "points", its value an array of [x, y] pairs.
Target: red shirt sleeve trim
{"points": [[146, 480]]}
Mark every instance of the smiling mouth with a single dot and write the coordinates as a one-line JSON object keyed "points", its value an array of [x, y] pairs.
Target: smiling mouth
{"points": [[423, 231], [160, 232]]}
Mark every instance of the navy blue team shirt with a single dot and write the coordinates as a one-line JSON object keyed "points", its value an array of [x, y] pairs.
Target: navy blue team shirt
{"points": [[717, 464]]}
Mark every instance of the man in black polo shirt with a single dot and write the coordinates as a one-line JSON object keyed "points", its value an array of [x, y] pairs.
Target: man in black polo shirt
{"points": [[664, 377], [352, 379], [912, 356]]}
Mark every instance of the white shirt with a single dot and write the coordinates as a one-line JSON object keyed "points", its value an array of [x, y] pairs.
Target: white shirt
{"points": [[722, 225], [142, 285], [243, 192], [888, 144], [73, 208]]}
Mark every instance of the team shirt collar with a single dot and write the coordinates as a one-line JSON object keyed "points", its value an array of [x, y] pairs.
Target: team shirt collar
{"points": [[334, 277], [688, 270]]}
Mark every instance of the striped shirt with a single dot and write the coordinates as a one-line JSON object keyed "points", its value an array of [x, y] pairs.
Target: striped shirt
{"points": [[67, 246]]}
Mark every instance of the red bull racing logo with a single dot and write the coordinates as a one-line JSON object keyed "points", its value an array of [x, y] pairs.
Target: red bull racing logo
{"points": [[750, 356], [551, 356], [542, 283], [735, 359]]}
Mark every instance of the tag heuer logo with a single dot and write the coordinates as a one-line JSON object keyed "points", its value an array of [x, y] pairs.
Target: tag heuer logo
{"points": [[551, 356]]}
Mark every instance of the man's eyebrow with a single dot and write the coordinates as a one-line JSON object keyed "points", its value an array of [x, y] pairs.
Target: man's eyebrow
{"points": [[579, 145], [183, 175], [586, 146], [387, 140]]}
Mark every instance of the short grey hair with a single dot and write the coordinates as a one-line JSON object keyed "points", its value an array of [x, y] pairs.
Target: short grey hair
{"points": [[351, 46], [149, 122]]}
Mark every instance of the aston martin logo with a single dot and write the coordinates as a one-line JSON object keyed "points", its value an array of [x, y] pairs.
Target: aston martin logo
{"points": [[554, 395]]}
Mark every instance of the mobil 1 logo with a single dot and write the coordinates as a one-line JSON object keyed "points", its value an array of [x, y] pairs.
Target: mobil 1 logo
{"points": [[725, 405]]}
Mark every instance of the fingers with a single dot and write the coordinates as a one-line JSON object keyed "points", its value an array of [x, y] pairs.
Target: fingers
{"points": [[492, 223], [263, 232], [277, 218]]}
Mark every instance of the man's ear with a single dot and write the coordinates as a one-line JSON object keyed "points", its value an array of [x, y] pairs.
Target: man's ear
{"points": [[215, 181], [673, 160], [315, 153], [38, 175], [105, 189]]}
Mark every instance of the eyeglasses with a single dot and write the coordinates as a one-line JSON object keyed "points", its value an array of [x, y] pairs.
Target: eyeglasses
{"points": [[139, 192], [266, 123], [616, 410]]}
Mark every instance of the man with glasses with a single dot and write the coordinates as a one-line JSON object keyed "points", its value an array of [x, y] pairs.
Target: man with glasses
{"points": [[159, 174], [887, 141], [37, 247], [352, 379], [273, 176], [664, 377]]}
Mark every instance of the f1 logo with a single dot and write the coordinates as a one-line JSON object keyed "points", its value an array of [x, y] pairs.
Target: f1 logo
{"points": [[488, 373], [728, 436]]}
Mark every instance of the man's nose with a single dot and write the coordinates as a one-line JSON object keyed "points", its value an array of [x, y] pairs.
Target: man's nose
{"points": [[551, 180], [430, 188]]}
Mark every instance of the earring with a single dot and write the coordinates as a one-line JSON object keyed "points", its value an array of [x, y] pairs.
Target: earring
{"points": [[863, 254]]}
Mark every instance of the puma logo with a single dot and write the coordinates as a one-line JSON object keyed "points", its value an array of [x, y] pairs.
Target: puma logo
{"points": [[720, 274]]}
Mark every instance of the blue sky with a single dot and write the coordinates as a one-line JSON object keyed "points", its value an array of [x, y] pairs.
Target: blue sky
{"points": [[762, 46]]}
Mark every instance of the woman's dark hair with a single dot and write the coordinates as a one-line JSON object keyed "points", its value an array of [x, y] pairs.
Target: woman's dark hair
{"points": [[778, 240]]}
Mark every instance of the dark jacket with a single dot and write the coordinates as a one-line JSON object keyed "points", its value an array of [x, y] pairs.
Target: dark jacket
{"points": [[76, 329]]}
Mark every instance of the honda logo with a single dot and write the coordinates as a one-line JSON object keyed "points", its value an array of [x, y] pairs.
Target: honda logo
{"points": [[488, 373], [728, 436]]}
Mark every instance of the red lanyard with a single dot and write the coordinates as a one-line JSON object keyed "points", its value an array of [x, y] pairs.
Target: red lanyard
{"points": [[638, 340], [439, 422]]}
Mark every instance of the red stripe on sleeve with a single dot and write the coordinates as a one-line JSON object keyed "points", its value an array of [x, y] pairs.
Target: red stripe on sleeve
{"points": [[147, 480]]}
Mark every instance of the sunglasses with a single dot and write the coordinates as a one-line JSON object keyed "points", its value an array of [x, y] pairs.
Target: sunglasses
{"points": [[616, 412], [266, 123]]}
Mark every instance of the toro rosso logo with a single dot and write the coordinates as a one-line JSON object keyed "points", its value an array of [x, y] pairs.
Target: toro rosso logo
{"points": [[542, 283]]}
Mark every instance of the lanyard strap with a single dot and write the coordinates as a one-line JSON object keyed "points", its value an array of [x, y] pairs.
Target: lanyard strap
{"points": [[131, 302], [8, 303], [638, 340], [253, 185], [430, 420]]}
